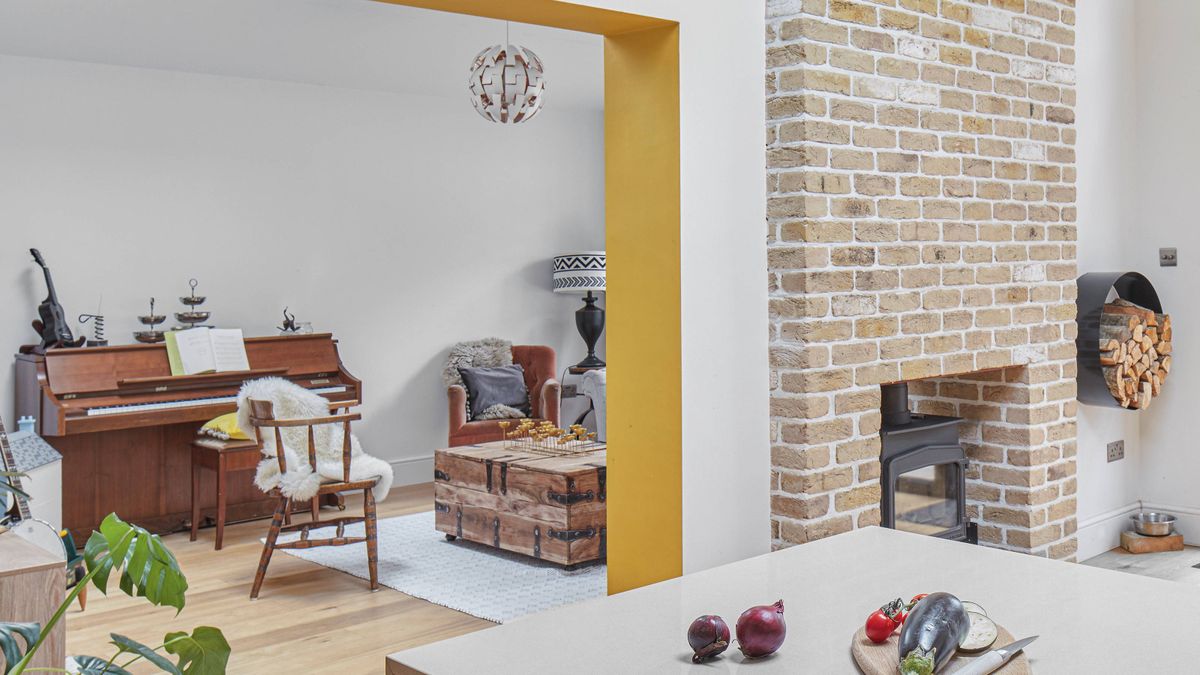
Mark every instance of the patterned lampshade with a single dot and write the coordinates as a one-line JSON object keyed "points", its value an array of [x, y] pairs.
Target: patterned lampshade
{"points": [[579, 272], [507, 83]]}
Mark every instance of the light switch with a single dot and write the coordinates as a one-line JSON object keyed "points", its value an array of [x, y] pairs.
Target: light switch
{"points": [[1167, 257]]}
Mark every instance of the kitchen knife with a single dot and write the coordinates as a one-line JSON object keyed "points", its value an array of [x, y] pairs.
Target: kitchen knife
{"points": [[994, 659]]}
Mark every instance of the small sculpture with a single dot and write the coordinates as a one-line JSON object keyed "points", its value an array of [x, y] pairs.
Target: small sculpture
{"points": [[97, 339], [289, 323], [546, 439]]}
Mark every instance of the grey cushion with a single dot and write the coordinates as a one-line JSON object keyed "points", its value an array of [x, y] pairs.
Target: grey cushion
{"points": [[501, 385]]}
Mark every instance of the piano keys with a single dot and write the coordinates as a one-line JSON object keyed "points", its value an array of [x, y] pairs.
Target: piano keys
{"points": [[124, 424]]}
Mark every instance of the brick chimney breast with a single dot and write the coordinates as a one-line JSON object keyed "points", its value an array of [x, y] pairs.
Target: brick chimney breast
{"points": [[921, 226]]}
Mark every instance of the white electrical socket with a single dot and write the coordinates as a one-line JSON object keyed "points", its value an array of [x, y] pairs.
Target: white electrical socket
{"points": [[1116, 450]]}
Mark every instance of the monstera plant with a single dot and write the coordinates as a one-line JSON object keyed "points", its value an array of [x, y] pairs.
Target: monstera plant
{"points": [[6, 486], [147, 569]]}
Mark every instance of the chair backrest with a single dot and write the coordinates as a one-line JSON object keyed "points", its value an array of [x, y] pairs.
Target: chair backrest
{"points": [[539, 364], [262, 416]]}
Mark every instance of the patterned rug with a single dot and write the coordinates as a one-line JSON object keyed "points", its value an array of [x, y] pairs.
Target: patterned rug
{"points": [[416, 559]]}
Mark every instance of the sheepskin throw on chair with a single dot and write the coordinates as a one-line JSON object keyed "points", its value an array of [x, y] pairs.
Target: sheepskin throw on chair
{"points": [[291, 402]]}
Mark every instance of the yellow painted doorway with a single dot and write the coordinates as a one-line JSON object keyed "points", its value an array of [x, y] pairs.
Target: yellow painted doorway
{"points": [[642, 204]]}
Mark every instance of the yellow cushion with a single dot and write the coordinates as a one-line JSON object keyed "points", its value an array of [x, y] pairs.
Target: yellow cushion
{"points": [[224, 427]]}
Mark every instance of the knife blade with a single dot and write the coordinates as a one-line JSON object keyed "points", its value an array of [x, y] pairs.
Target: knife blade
{"points": [[993, 660]]}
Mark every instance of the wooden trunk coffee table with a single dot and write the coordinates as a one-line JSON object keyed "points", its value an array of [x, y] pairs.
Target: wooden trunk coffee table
{"points": [[550, 507]]}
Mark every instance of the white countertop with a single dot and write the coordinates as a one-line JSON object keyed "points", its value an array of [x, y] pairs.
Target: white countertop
{"points": [[1090, 620]]}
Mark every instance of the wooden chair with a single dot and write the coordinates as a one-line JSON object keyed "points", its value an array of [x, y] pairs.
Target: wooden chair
{"points": [[262, 416]]}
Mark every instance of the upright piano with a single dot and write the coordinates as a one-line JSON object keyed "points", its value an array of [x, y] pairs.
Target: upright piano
{"points": [[124, 424]]}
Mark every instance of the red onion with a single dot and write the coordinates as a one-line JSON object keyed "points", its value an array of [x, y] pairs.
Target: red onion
{"points": [[708, 636], [761, 630]]}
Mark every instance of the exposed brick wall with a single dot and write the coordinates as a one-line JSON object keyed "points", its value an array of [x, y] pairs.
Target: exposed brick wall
{"points": [[921, 223], [1019, 434]]}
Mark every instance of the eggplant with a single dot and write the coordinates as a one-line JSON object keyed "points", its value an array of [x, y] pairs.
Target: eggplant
{"points": [[932, 633]]}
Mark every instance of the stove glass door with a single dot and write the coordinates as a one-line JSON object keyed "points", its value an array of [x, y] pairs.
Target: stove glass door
{"points": [[927, 499]]}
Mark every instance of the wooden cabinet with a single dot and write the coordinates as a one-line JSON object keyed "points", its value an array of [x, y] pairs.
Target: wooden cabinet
{"points": [[32, 586]]}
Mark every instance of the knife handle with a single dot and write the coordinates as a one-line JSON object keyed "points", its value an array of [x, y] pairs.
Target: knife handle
{"points": [[982, 665]]}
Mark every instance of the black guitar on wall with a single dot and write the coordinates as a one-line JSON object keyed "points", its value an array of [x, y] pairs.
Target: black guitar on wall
{"points": [[52, 325]]}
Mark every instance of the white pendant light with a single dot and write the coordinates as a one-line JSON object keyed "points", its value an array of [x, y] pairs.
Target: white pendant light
{"points": [[507, 83]]}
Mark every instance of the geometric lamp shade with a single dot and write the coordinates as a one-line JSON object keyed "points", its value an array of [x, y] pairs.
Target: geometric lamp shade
{"points": [[507, 84], [579, 272]]}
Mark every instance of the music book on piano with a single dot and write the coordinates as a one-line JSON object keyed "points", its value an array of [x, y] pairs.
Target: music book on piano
{"points": [[206, 350]]}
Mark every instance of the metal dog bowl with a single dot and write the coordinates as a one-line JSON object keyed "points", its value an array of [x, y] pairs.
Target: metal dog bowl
{"points": [[1153, 524]]}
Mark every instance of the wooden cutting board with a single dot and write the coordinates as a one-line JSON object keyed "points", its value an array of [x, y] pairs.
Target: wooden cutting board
{"points": [[882, 659]]}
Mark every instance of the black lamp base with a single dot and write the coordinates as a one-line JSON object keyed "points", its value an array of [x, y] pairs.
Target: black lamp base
{"points": [[589, 319]]}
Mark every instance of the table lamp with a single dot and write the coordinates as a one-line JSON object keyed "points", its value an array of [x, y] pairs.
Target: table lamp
{"points": [[584, 273]]}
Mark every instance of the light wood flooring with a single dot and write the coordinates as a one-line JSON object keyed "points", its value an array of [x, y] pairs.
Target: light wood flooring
{"points": [[308, 618], [1169, 565]]}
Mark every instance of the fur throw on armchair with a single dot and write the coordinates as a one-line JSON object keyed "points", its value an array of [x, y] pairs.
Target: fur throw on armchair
{"points": [[485, 353], [301, 482]]}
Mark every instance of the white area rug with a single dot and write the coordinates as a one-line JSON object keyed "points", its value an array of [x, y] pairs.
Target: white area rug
{"points": [[416, 559]]}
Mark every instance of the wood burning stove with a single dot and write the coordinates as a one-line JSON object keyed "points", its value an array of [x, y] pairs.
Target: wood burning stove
{"points": [[923, 471]]}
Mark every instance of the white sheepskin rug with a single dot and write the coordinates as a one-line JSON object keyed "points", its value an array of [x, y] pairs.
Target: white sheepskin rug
{"points": [[293, 402]]}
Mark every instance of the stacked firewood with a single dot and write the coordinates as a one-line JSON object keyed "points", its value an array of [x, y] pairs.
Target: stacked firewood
{"points": [[1135, 352]]}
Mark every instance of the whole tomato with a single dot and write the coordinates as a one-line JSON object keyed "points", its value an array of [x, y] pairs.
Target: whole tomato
{"points": [[884, 621]]}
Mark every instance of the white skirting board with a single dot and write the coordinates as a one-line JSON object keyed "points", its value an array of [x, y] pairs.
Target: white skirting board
{"points": [[412, 470], [1103, 532]]}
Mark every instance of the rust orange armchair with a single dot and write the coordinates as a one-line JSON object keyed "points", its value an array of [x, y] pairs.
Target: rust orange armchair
{"points": [[539, 365]]}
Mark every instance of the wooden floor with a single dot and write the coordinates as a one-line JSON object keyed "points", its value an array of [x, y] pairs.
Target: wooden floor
{"points": [[1170, 565], [308, 618]]}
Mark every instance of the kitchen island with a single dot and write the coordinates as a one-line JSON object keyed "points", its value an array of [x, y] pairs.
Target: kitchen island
{"points": [[1090, 621]]}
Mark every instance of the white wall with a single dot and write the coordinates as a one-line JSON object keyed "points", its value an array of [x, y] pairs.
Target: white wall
{"points": [[726, 463], [400, 222], [1138, 95], [1166, 178], [1106, 116]]}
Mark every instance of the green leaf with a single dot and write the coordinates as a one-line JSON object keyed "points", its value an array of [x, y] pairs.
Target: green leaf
{"points": [[8, 641], [90, 665], [204, 652], [95, 555], [6, 486], [134, 647], [147, 567]]}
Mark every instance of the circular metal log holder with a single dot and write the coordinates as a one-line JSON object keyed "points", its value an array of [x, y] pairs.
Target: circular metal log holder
{"points": [[1094, 288]]}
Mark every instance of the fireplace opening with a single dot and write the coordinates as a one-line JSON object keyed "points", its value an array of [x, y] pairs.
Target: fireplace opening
{"points": [[923, 471]]}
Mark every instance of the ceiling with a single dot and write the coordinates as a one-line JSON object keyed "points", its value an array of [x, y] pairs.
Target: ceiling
{"points": [[340, 43]]}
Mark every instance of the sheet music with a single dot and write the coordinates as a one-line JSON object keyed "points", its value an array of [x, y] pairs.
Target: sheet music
{"points": [[229, 349], [207, 350], [195, 351]]}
